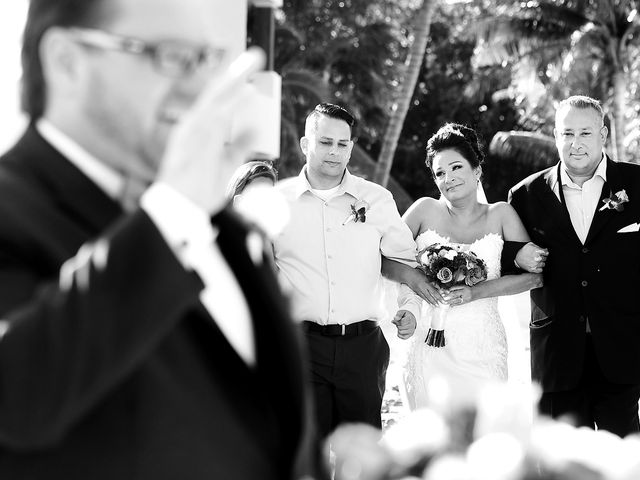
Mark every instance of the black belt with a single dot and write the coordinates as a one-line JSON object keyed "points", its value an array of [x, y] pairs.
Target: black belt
{"points": [[335, 330]]}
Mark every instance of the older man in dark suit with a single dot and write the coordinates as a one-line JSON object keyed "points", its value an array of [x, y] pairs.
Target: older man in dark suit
{"points": [[138, 342], [585, 321]]}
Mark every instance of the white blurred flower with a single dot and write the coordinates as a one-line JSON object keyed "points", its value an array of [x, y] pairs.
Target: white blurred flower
{"points": [[496, 456], [559, 444], [505, 407], [358, 453], [449, 467], [265, 206], [420, 434]]}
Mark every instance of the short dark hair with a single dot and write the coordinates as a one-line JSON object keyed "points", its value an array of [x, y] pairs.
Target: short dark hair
{"points": [[42, 15], [454, 136], [247, 172], [332, 111]]}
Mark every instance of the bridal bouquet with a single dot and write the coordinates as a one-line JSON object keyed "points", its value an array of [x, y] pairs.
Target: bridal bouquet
{"points": [[447, 266]]}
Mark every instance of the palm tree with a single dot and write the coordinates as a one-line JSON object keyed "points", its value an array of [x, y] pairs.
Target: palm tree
{"points": [[347, 52], [585, 44], [413, 65]]}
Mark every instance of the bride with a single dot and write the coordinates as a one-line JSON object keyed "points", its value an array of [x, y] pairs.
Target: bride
{"points": [[476, 346]]}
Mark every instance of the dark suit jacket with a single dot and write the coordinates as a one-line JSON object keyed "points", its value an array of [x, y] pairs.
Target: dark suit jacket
{"points": [[123, 374], [597, 281]]}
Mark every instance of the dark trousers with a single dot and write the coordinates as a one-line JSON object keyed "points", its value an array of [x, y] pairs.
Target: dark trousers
{"points": [[348, 375], [596, 402]]}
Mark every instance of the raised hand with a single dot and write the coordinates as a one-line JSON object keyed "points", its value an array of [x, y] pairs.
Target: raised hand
{"points": [[200, 156], [405, 322]]}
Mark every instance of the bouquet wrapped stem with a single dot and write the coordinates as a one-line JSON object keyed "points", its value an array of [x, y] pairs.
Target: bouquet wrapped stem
{"points": [[435, 335]]}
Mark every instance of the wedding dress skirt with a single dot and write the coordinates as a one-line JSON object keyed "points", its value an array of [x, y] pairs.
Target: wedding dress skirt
{"points": [[475, 353]]}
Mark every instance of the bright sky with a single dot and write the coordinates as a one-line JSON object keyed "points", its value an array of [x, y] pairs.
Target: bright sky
{"points": [[11, 23]]}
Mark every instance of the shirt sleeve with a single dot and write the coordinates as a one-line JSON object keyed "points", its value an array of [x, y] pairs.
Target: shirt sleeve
{"points": [[397, 241], [408, 300]]}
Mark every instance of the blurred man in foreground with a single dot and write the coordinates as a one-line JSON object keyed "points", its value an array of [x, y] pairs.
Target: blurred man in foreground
{"points": [[138, 341]]}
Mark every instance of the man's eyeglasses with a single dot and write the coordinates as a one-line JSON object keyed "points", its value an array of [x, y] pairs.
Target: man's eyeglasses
{"points": [[173, 58]]}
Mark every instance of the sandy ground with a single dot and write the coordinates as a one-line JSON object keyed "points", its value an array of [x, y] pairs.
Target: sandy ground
{"points": [[514, 311]]}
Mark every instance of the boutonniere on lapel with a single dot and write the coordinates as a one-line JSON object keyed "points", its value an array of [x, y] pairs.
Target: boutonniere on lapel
{"points": [[615, 201], [358, 212]]}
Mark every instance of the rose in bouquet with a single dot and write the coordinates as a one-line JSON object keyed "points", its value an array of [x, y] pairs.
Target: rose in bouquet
{"points": [[447, 266]]}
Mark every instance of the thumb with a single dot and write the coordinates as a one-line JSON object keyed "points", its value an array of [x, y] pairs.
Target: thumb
{"points": [[398, 318]]}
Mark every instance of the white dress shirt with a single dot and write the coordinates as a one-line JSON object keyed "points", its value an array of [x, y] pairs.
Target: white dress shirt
{"points": [[582, 201], [333, 266], [187, 230]]}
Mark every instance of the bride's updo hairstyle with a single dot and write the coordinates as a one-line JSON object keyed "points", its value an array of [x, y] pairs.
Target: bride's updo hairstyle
{"points": [[453, 136]]}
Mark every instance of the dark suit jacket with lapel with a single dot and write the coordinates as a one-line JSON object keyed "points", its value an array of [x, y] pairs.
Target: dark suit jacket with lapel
{"points": [[122, 374], [598, 281]]}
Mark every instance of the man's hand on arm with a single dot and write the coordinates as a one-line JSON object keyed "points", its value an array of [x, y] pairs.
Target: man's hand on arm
{"points": [[531, 258], [414, 278]]}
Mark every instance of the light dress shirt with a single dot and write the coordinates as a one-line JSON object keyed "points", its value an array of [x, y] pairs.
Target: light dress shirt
{"points": [[582, 201], [332, 268], [187, 230]]}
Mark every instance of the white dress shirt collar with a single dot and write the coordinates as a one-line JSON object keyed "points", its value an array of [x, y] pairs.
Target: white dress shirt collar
{"points": [[348, 184], [565, 179], [105, 177]]}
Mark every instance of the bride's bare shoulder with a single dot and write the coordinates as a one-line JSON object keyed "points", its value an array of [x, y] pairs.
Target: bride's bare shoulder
{"points": [[424, 204], [502, 212], [501, 208], [420, 214]]}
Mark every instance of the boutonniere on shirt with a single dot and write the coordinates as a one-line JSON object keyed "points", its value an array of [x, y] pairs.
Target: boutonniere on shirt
{"points": [[615, 201], [358, 212]]}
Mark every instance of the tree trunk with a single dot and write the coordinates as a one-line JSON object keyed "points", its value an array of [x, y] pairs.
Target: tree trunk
{"points": [[412, 67], [617, 112]]}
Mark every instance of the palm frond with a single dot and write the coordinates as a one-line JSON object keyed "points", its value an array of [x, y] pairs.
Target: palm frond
{"points": [[524, 148], [306, 82], [363, 165], [516, 31]]}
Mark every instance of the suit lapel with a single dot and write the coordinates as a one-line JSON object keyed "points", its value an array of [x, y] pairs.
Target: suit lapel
{"points": [[279, 366], [602, 217], [554, 206]]}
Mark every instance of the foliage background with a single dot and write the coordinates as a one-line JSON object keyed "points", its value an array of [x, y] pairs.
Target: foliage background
{"points": [[351, 52]]}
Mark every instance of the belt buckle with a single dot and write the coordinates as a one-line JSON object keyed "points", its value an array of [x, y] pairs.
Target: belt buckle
{"points": [[344, 329]]}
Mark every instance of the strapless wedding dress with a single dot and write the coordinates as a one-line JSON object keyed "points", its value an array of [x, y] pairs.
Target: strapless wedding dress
{"points": [[476, 344]]}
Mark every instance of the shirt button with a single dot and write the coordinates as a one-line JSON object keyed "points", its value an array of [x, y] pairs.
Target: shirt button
{"points": [[584, 283], [585, 250], [329, 257], [581, 319], [328, 229], [333, 283]]}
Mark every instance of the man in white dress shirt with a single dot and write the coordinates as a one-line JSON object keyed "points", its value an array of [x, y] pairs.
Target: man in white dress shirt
{"points": [[140, 337], [331, 255]]}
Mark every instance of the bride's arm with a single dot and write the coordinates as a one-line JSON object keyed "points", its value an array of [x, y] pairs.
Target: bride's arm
{"points": [[512, 230], [507, 285], [404, 274]]}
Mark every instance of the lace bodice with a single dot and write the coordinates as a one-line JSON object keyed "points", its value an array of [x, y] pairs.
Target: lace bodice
{"points": [[488, 248], [476, 345]]}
